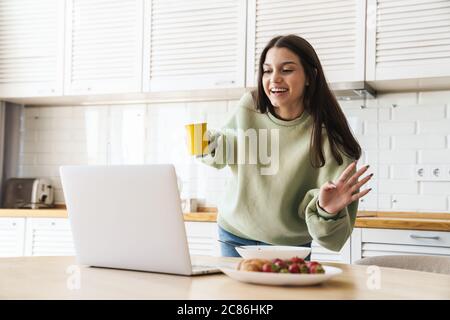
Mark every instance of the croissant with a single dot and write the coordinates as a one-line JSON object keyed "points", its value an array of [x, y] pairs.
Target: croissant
{"points": [[252, 264]]}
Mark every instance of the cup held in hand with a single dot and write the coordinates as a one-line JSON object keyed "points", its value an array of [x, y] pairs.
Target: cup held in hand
{"points": [[197, 141]]}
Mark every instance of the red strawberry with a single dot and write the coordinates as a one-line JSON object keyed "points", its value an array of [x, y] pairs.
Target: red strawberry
{"points": [[267, 267], [297, 260], [293, 268], [316, 268]]}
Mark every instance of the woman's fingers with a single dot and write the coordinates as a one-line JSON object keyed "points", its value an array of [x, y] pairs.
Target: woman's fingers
{"points": [[361, 194], [347, 172], [354, 178], [360, 183]]}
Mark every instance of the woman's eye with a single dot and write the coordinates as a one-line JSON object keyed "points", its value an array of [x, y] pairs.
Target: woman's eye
{"points": [[267, 71], [287, 70]]}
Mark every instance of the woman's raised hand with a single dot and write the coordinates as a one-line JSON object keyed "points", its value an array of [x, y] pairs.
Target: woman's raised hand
{"points": [[335, 196]]}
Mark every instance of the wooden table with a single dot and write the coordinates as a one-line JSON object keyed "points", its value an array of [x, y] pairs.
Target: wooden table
{"points": [[56, 278]]}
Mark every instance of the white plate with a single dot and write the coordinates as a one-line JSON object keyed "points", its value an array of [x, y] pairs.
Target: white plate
{"points": [[273, 252], [282, 279]]}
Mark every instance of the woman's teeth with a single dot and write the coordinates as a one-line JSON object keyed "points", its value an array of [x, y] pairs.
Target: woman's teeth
{"points": [[278, 90]]}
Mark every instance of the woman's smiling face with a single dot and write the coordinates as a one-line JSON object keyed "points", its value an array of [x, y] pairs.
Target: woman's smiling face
{"points": [[283, 78]]}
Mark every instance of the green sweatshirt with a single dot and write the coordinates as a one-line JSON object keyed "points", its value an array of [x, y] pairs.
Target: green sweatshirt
{"points": [[272, 195]]}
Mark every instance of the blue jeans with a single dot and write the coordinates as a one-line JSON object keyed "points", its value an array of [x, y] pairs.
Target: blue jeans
{"points": [[230, 251]]}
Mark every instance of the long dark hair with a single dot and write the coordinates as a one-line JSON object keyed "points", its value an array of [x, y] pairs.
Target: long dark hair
{"points": [[318, 101]]}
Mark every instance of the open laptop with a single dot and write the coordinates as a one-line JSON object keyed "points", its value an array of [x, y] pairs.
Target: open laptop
{"points": [[128, 217]]}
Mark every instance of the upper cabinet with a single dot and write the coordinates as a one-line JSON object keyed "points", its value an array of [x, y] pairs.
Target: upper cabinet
{"points": [[335, 28], [72, 51], [197, 44], [103, 46], [31, 48], [408, 39]]}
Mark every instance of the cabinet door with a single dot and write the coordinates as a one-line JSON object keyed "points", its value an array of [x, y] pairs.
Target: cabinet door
{"points": [[194, 44], [377, 242], [321, 254], [335, 28], [31, 48], [408, 39], [202, 238], [12, 235], [48, 237], [104, 46]]}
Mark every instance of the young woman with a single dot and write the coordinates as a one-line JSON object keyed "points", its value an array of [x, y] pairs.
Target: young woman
{"points": [[314, 190]]}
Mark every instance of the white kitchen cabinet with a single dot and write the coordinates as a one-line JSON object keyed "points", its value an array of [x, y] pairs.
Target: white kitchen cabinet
{"points": [[321, 254], [48, 237], [202, 238], [104, 41], [31, 48], [194, 44], [12, 235], [368, 242], [407, 39], [335, 28]]}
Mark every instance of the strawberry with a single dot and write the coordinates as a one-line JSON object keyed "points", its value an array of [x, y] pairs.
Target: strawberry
{"points": [[316, 268], [297, 260], [293, 268]]}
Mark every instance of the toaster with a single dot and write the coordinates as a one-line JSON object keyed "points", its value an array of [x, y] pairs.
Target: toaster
{"points": [[31, 193]]}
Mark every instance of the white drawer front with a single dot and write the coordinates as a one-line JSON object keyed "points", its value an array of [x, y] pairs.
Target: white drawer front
{"points": [[49, 237], [382, 249], [321, 254], [12, 237], [202, 238], [407, 237]]}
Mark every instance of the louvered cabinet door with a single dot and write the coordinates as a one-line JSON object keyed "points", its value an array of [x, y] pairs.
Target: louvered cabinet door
{"points": [[31, 48], [335, 28], [48, 237], [12, 236], [408, 39], [103, 46], [196, 44]]}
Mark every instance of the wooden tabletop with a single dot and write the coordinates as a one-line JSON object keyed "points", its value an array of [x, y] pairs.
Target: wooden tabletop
{"points": [[55, 278]]}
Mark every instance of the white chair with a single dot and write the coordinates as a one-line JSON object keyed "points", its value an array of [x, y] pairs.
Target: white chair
{"points": [[434, 264]]}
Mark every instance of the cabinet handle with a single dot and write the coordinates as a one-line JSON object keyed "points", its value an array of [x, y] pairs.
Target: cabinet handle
{"points": [[218, 83], [415, 236]]}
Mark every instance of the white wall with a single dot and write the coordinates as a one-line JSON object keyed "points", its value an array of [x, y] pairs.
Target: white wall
{"points": [[394, 138]]}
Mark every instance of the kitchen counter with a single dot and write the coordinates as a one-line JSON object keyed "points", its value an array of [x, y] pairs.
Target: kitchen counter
{"points": [[365, 219], [50, 278]]}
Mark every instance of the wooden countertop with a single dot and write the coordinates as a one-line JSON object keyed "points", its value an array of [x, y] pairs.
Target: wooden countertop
{"points": [[403, 220], [366, 219], [48, 278]]}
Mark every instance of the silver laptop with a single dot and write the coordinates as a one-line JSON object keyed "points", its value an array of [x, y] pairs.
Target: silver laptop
{"points": [[128, 217]]}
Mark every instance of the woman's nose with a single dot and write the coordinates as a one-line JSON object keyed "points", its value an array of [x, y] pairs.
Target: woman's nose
{"points": [[276, 77]]}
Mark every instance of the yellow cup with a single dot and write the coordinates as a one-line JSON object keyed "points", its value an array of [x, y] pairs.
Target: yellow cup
{"points": [[196, 138]]}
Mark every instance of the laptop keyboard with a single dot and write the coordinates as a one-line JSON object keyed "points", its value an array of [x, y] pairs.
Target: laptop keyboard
{"points": [[198, 267]]}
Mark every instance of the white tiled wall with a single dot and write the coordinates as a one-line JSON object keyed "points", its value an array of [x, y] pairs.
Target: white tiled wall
{"points": [[400, 131], [396, 131]]}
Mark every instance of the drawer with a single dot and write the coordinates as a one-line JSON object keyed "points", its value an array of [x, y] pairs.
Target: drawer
{"points": [[201, 229], [49, 223], [406, 237], [382, 249]]}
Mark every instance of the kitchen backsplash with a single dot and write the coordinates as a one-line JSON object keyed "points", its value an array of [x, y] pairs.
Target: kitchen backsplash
{"points": [[396, 131]]}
